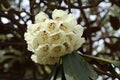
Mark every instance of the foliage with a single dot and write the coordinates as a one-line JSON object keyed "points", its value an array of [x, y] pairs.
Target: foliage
{"points": [[100, 19], [80, 70]]}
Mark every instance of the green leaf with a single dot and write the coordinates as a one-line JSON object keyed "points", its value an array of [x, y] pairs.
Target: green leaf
{"points": [[57, 73], [102, 60], [52, 76], [76, 68]]}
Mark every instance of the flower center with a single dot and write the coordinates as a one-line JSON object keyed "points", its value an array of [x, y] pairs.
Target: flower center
{"points": [[55, 37], [62, 27], [44, 36], [57, 49], [51, 26]]}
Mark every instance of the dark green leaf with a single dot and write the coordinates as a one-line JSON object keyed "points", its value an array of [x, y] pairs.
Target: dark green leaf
{"points": [[52, 76], [102, 60], [57, 73], [76, 68]]}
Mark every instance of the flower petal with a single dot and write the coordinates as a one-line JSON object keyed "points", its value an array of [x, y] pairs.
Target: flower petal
{"points": [[40, 17], [79, 43], [44, 59], [42, 36], [68, 47], [59, 15], [51, 26], [57, 37], [43, 49], [78, 30], [57, 50]]}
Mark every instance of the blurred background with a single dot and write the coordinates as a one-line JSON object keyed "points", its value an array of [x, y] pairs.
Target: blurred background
{"points": [[100, 18]]}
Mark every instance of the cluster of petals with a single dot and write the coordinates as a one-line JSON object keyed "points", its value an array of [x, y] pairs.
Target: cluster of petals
{"points": [[49, 39]]}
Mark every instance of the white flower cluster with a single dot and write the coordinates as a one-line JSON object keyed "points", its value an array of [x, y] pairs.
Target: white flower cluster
{"points": [[50, 39]]}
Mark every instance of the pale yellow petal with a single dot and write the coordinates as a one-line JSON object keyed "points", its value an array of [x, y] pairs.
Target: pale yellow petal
{"points": [[71, 20], [40, 17], [43, 49], [70, 37], [57, 50], [78, 43], [57, 37], [78, 30], [44, 59], [68, 47], [51, 26], [42, 36], [59, 15]]}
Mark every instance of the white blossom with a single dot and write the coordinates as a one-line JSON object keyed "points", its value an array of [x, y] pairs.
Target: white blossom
{"points": [[44, 59], [49, 39], [41, 17], [59, 15]]}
